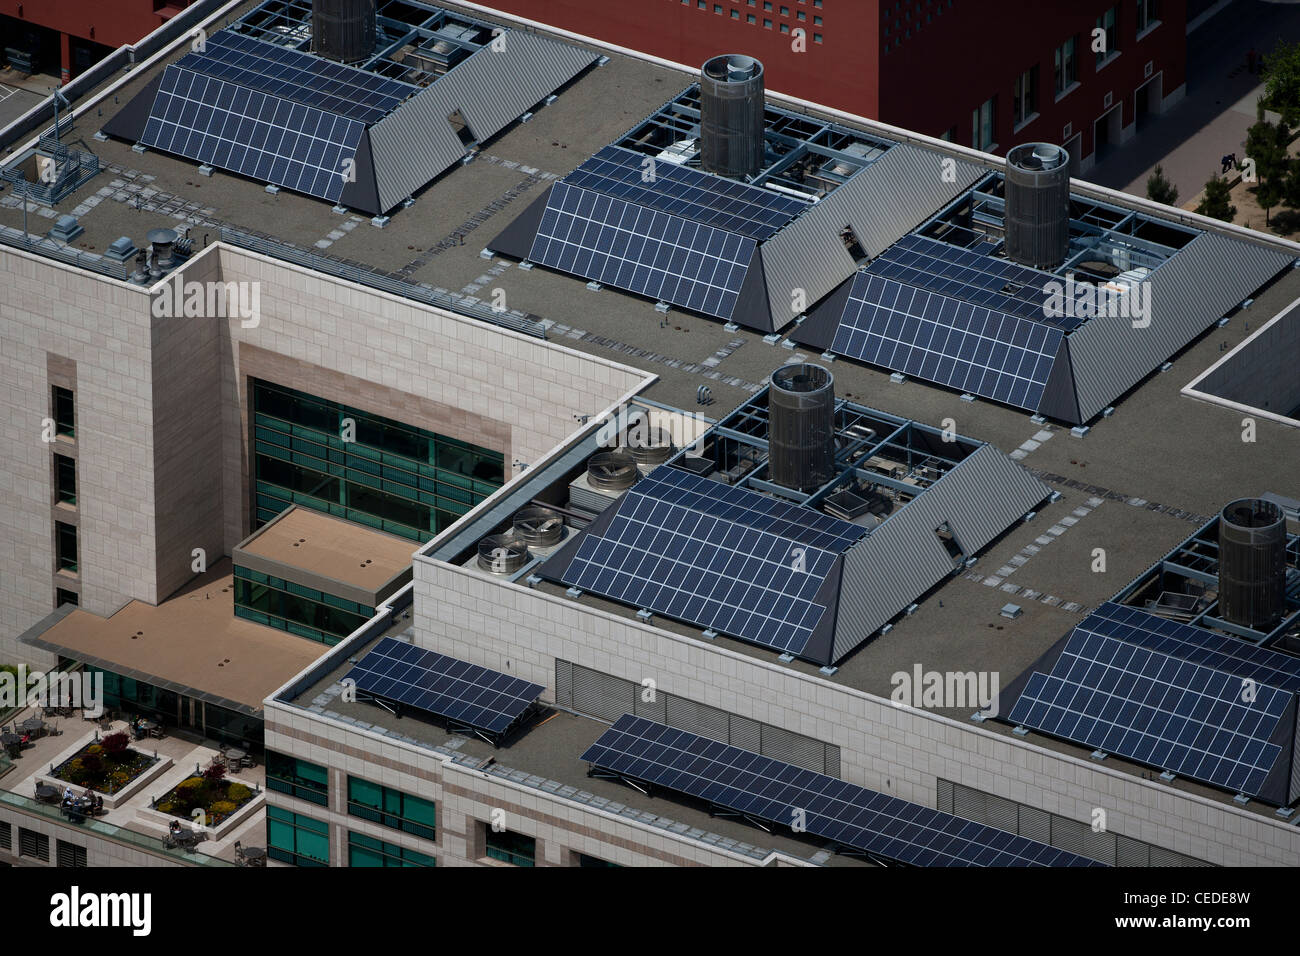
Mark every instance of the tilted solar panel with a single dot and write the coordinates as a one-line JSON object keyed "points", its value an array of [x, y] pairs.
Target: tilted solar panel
{"points": [[826, 807], [466, 693]]}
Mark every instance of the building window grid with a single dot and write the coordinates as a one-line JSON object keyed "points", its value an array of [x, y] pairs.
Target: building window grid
{"points": [[287, 606], [297, 778], [34, 845], [70, 855], [1065, 66], [65, 479], [65, 412], [379, 853], [296, 839], [65, 546], [392, 808], [1108, 22], [982, 120], [513, 848], [1025, 96], [1148, 15]]}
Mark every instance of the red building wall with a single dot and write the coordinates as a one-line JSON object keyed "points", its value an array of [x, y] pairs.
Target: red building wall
{"points": [[104, 23]]}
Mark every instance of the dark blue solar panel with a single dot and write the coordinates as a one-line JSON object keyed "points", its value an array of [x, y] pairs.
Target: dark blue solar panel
{"points": [[731, 560], [688, 193], [255, 134], [1158, 710], [297, 76], [1190, 643], [767, 789], [466, 693], [642, 250], [948, 341]]}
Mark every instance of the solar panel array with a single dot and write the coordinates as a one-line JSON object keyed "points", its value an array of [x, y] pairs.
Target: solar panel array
{"points": [[642, 250], [831, 809], [1158, 710], [972, 276], [258, 135], [466, 693], [715, 556], [297, 76], [946, 340], [701, 197], [1190, 643]]}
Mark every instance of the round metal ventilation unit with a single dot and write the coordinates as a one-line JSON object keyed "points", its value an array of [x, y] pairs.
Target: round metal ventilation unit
{"points": [[343, 30], [612, 470], [647, 444], [1252, 563], [164, 246], [731, 116], [502, 554], [538, 527], [1037, 214], [801, 426]]}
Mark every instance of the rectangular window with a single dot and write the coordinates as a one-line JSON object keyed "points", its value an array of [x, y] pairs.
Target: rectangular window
{"points": [[801, 15], [1108, 22], [6, 837], [735, 14], [392, 808], [817, 21], [584, 860], [367, 851], [65, 546], [1065, 66], [767, 24], [298, 778], [294, 838], [982, 124], [1147, 15], [817, 38], [65, 479], [65, 418], [69, 854], [62, 597], [785, 28], [291, 607], [33, 844], [1026, 95], [513, 848], [767, 6], [785, 11], [750, 18]]}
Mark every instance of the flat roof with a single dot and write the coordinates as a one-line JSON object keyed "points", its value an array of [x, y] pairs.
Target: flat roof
{"points": [[331, 547], [191, 643]]}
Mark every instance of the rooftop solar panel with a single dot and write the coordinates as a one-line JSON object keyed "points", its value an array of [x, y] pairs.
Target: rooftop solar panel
{"points": [[297, 76], [946, 340], [652, 253], [255, 134], [718, 557], [701, 197], [1156, 709], [767, 789], [465, 693]]}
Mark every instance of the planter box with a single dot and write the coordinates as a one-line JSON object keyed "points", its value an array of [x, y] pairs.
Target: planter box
{"points": [[111, 800], [220, 831]]}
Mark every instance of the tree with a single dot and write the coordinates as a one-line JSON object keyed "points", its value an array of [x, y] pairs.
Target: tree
{"points": [[1266, 144], [1215, 203], [1282, 81], [115, 743], [1160, 189]]}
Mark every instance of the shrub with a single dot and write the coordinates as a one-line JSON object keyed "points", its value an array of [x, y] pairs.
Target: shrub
{"points": [[92, 763], [166, 806], [94, 749], [214, 773], [1160, 189], [238, 792], [115, 744], [222, 808], [190, 785]]}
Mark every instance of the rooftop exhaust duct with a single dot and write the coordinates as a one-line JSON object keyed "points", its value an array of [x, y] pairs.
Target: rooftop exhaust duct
{"points": [[164, 247], [1037, 217], [1252, 563], [801, 426], [343, 30], [731, 116]]}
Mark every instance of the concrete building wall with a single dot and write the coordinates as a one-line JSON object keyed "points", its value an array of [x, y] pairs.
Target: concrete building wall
{"points": [[883, 747], [100, 851], [466, 799], [1261, 372]]}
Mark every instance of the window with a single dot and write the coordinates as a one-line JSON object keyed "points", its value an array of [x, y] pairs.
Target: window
{"points": [[298, 778], [1066, 67], [584, 860], [949, 542], [1148, 15], [69, 854], [817, 21], [294, 838], [817, 38], [801, 15], [513, 848], [767, 24], [62, 597], [785, 28], [785, 11], [65, 546], [767, 6], [982, 124], [735, 14], [292, 607], [33, 844], [392, 808], [717, 8], [750, 18], [6, 837], [1108, 23], [1026, 95], [65, 479], [367, 851], [64, 413], [949, 134]]}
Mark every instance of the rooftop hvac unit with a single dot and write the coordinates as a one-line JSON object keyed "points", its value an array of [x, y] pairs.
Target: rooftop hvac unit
{"points": [[648, 444], [731, 116], [164, 246], [1252, 563], [502, 554], [608, 475], [343, 30], [538, 527], [1037, 218], [801, 426]]}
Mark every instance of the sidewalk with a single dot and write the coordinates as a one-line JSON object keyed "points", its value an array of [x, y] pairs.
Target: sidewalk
{"points": [[1218, 109]]}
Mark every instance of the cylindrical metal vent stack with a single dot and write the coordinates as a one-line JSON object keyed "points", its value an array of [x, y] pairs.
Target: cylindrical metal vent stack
{"points": [[1252, 563], [801, 426], [1037, 217], [343, 30], [731, 116], [648, 444], [164, 246]]}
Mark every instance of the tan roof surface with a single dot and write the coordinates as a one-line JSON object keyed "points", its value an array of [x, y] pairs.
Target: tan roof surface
{"points": [[193, 638], [333, 548]]}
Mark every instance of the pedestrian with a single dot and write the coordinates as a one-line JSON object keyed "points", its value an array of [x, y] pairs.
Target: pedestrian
{"points": [[1227, 164]]}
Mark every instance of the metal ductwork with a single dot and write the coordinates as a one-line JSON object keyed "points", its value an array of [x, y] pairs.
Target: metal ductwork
{"points": [[801, 427], [343, 30], [502, 554], [1252, 563], [164, 247], [731, 116], [538, 527], [1037, 217]]}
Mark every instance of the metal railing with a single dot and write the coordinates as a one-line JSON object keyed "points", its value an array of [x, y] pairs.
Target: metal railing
{"points": [[55, 250], [376, 280], [75, 168]]}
